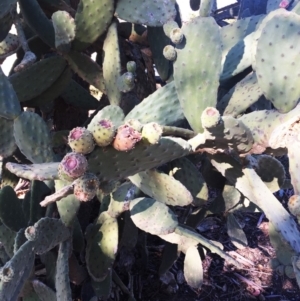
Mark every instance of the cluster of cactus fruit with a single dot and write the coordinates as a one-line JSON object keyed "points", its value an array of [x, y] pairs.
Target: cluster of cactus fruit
{"points": [[229, 99]]}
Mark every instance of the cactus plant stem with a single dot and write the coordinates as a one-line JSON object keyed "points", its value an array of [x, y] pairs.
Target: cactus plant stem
{"points": [[177, 132], [57, 196], [20, 31]]}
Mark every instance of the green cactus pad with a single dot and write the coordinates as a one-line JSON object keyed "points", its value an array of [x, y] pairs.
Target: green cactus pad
{"points": [[136, 11], [9, 45], [197, 68], [7, 237], [9, 104], [193, 270], [77, 96], [54, 91], [111, 112], [68, 206], [186, 172], [235, 232], [44, 292], [239, 98], [237, 31], [47, 233], [158, 41], [238, 58], [42, 172], [33, 138], [109, 164], [162, 188], [6, 6], [8, 144], [16, 271], [119, 200], [92, 19], [38, 21], [64, 28], [270, 170], [162, 107], [276, 52], [11, 213], [34, 80], [112, 64], [102, 245], [153, 217], [62, 279], [254, 189], [87, 69]]}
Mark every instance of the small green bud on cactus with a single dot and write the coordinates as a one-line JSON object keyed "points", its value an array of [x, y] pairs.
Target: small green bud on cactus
{"points": [[134, 123], [170, 53], [72, 166], [210, 117], [126, 138], [81, 140], [176, 36], [103, 132], [125, 82], [152, 132], [85, 187], [169, 26], [131, 67]]}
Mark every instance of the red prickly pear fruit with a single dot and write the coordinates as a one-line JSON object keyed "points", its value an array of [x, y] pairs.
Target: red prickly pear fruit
{"points": [[126, 138], [103, 132], [85, 187], [152, 132], [81, 141], [72, 166]]}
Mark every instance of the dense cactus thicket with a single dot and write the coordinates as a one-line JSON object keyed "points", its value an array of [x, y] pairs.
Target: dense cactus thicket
{"points": [[112, 150]]}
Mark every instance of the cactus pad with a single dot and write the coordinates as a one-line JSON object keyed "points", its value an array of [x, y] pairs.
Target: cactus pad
{"points": [[153, 217]]}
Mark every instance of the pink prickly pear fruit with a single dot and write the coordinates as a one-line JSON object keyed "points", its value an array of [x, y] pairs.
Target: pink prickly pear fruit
{"points": [[152, 132], [81, 140], [72, 166], [126, 138], [210, 117], [85, 187], [103, 132]]}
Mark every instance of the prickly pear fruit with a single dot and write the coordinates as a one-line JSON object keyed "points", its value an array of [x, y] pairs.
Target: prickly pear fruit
{"points": [[81, 140], [103, 132], [294, 205], [176, 36], [152, 132], [210, 117], [134, 123], [170, 53], [85, 187], [126, 138], [72, 166], [169, 26], [131, 67]]}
